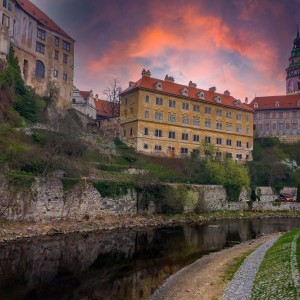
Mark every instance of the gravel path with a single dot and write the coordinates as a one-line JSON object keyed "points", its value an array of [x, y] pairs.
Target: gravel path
{"points": [[241, 285]]}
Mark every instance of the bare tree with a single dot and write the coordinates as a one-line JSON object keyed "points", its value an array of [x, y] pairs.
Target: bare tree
{"points": [[112, 94]]}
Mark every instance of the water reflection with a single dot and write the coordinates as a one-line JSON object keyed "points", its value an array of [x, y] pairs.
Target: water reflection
{"points": [[120, 265]]}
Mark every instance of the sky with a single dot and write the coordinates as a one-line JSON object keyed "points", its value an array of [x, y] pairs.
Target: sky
{"points": [[238, 45]]}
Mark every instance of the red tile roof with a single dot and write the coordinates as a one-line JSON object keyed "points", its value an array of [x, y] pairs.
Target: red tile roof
{"points": [[105, 108], [41, 17], [172, 88], [269, 102], [85, 94]]}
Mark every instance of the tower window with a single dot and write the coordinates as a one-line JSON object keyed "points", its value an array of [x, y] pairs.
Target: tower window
{"points": [[40, 69]]}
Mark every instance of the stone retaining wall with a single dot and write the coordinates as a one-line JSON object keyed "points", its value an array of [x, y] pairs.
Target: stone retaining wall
{"points": [[46, 199]]}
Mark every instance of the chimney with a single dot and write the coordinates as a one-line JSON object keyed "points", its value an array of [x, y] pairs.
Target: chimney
{"points": [[192, 84], [97, 97], [227, 93], [212, 89], [246, 100], [131, 84], [169, 78], [146, 73]]}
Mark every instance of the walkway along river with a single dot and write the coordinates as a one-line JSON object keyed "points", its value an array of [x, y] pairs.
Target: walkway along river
{"points": [[120, 264]]}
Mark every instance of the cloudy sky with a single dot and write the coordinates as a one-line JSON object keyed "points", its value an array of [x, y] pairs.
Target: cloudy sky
{"points": [[239, 45]]}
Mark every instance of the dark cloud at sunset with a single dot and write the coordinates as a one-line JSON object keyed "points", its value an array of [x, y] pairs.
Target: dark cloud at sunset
{"points": [[240, 45]]}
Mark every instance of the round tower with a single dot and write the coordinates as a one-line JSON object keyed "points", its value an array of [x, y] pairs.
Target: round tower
{"points": [[293, 71]]}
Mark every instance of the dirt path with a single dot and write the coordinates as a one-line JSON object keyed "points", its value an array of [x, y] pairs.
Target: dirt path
{"points": [[202, 280]]}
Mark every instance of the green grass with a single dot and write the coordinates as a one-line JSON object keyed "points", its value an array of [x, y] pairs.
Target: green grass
{"points": [[274, 277]]}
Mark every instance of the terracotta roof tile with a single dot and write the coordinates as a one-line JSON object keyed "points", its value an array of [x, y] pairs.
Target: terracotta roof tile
{"points": [[104, 108], [41, 17], [175, 89], [85, 94], [269, 102]]}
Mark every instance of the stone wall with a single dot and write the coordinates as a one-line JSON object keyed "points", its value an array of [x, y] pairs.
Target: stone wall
{"points": [[46, 199]]}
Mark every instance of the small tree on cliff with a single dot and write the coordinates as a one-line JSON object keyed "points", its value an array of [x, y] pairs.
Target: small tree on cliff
{"points": [[112, 94]]}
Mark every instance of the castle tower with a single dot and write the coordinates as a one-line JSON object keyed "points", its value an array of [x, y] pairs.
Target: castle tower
{"points": [[293, 71]]}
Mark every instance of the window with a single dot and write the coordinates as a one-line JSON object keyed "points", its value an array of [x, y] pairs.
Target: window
{"points": [[5, 3], [124, 132], [208, 139], [56, 54], [172, 103], [247, 117], [55, 73], [228, 127], [146, 114], [239, 143], [41, 34], [196, 122], [228, 155], [247, 145], [219, 112], [287, 125], [9, 6], [172, 135], [159, 101], [185, 106], [184, 150], [207, 124], [196, 108], [65, 59], [157, 147], [185, 136], [145, 146], [158, 133], [131, 132], [171, 118], [147, 99], [239, 128], [280, 115], [228, 142], [25, 68], [5, 20], [39, 69], [239, 156], [219, 126], [185, 120], [67, 46], [65, 76], [208, 110], [239, 116], [56, 41], [229, 114], [247, 130], [196, 138], [219, 141], [158, 116], [146, 131], [40, 48]]}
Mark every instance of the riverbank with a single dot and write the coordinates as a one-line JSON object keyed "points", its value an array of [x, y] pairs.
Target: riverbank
{"points": [[190, 283], [11, 230]]}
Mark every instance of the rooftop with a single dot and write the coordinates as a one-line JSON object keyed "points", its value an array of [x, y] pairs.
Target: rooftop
{"points": [[276, 102], [190, 91], [41, 17]]}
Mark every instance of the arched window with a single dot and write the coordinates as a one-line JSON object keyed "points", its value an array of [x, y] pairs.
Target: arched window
{"points": [[24, 28], [40, 69], [25, 68]]}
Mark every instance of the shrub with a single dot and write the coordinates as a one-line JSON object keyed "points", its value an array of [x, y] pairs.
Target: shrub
{"points": [[233, 191], [20, 180], [111, 189], [69, 183], [112, 168]]}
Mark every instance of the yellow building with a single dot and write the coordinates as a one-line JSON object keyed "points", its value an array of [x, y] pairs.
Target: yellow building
{"points": [[161, 117]]}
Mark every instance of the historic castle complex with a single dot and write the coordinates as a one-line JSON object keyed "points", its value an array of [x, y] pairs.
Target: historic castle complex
{"points": [[44, 50], [279, 116], [157, 117]]}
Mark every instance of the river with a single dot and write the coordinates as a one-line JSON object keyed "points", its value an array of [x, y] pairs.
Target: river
{"points": [[118, 265]]}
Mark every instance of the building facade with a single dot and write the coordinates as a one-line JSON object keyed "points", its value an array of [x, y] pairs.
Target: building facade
{"points": [[44, 50], [84, 102], [279, 116], [161, 117]]}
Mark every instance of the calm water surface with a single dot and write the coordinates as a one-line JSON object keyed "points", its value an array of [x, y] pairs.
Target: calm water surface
{"points": [[120, 265]]}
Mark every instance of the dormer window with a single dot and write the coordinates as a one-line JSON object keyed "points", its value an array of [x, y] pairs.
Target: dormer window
{"points": [[158, 86], [185, 92], [277, 104], [255, 105], [201, 95], [218, 99]]}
